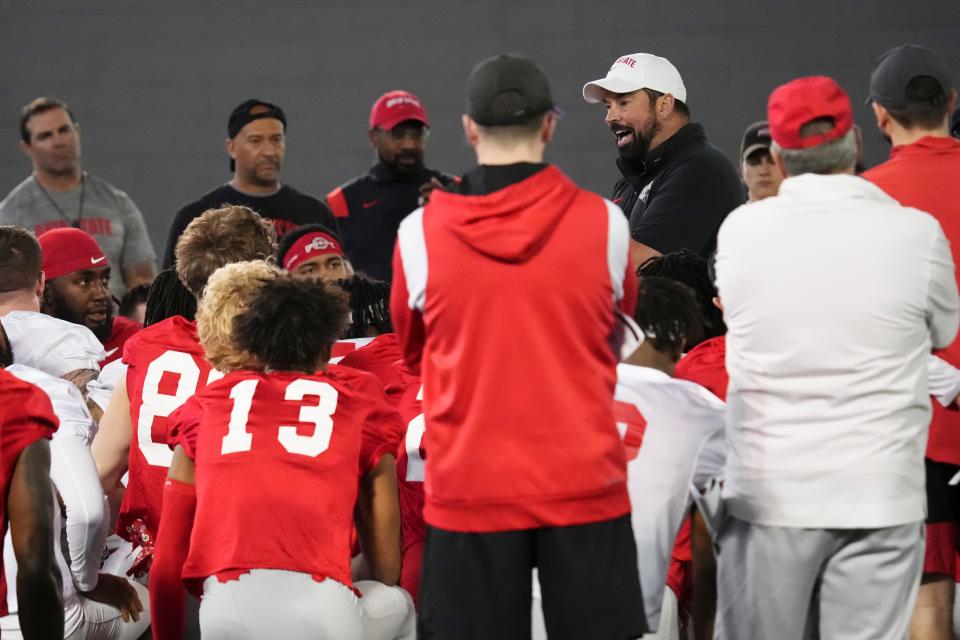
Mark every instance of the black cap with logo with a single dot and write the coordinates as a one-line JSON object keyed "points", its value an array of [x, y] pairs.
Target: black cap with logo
{"points": [[898, 66], [756, 137], [248, 111], [507, 89]]}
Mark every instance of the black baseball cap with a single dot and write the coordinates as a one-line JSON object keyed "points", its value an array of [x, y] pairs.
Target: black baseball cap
{"points": [[507, 89], [898, 66], [248, 111], [756, 136]]}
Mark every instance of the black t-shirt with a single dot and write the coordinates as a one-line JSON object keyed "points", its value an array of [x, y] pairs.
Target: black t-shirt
{"points": [[370, 208], [680, 195], [286, 209]]}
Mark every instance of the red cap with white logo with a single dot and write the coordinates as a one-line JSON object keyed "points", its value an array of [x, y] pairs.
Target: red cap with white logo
{"points": [[308, 246], [802, 101], [67, 250], [395, 107]]}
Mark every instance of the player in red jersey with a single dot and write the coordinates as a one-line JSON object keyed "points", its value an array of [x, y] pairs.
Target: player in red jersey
{"points": [[369, 343], [166, 366], [406, 390], [235, 453], [26, 423]]}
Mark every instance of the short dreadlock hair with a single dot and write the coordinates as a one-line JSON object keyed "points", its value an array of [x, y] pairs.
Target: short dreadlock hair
{"points": [[291, 323], [690, 269], [668, 314], [168, 297], [369, 305]]}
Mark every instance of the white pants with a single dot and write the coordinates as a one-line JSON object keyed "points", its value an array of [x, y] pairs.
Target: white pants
{"points": [[268, 603], [791, 583], [104, 622]]}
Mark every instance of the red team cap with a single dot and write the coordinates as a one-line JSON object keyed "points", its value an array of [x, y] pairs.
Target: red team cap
{"points": [[67, 250], [395, 107], [803, 100], [311, 245]]}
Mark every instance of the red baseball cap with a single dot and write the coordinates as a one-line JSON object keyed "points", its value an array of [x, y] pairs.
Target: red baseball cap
{"points": [[308, 246], [803, 100], [394, 107], [67, 249]]}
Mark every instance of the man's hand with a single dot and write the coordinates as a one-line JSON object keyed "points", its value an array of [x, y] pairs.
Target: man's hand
{"points": [[427, 188], [117, 592]]}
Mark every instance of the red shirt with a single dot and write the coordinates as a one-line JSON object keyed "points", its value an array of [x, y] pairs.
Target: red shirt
{"points": [[411, 457], [25, 417], [123, 329], [705, 364], [166, 366], [377, 356], [924, 175], [504, 303], [278, 460]]}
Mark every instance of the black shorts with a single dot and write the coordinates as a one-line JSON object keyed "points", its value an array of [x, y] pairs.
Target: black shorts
{"points": [[478, 585], [943, 500]]}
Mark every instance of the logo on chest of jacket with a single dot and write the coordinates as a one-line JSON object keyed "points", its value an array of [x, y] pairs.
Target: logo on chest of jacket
{"points": [[645, 193]]}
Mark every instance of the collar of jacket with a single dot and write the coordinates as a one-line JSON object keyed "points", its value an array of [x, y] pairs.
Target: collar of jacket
{"points": [[382, 172], [636, 173]]}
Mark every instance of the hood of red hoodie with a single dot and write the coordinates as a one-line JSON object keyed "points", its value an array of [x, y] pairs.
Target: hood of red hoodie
{"points": [[512, 224]]}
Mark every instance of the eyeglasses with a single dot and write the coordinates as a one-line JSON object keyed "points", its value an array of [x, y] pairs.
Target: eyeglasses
{"points": [[416, 134]]}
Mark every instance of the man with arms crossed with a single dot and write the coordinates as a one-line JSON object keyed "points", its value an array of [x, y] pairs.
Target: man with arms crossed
{"points": [[833, 295]]}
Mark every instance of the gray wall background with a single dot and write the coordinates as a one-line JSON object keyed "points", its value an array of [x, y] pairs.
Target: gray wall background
{"points": [[152, 83]]}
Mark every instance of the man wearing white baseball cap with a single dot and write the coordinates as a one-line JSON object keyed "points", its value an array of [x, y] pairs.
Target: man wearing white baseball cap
{"points": [[676, 187]]}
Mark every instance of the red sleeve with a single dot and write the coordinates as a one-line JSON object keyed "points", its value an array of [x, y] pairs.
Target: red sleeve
{"points": [[407, 322], [27, 416], [167, 594], [338, 203], [182, 426], [382, 429], [398, 379], [628, 303], [377, 357]]}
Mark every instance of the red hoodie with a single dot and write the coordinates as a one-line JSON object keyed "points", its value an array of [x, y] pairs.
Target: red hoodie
{"points": [[504, 303]]}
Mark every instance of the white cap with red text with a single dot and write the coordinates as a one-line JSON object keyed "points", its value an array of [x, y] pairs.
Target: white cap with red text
{"points": [[637, 71]]}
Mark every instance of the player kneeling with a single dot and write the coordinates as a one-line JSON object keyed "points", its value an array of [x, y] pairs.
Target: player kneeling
{"points": [[266, 470]]}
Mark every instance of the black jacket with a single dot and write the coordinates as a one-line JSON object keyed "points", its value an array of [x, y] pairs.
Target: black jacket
{"points": [[369, 210], [681, 193]]}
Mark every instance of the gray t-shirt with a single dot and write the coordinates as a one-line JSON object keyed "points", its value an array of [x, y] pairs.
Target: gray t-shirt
{"points": [[109, 215]]}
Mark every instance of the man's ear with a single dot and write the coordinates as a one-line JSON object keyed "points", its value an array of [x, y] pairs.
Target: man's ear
{"points": [[372, 135], [27, 150], [717, 302], [470, 130], [229, 145], [41, 285], [777, 160], [665, 105], [549, 127], [882, 115]]}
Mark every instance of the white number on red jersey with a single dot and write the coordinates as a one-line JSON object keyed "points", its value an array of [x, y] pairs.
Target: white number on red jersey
{"points": [[415, 431], [321, 415], [160, 405]]}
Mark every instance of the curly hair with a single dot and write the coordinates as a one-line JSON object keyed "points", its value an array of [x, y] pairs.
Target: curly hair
{"points": [[669, 315], [168, 297], [292, 323], [219, 237], [690, 269], [369, 304], [229, 291]]}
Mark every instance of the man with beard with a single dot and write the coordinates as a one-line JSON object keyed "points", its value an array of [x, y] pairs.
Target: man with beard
{"points": [[59, 193], [256, 144], [676, 188], [371, 206], [78, 288]]}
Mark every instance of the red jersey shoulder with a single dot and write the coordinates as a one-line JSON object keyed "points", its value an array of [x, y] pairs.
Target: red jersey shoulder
{"points": [[183, 425], [376, 357], [123, 329], [175, 333], [25, 414], [705, 364]]}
